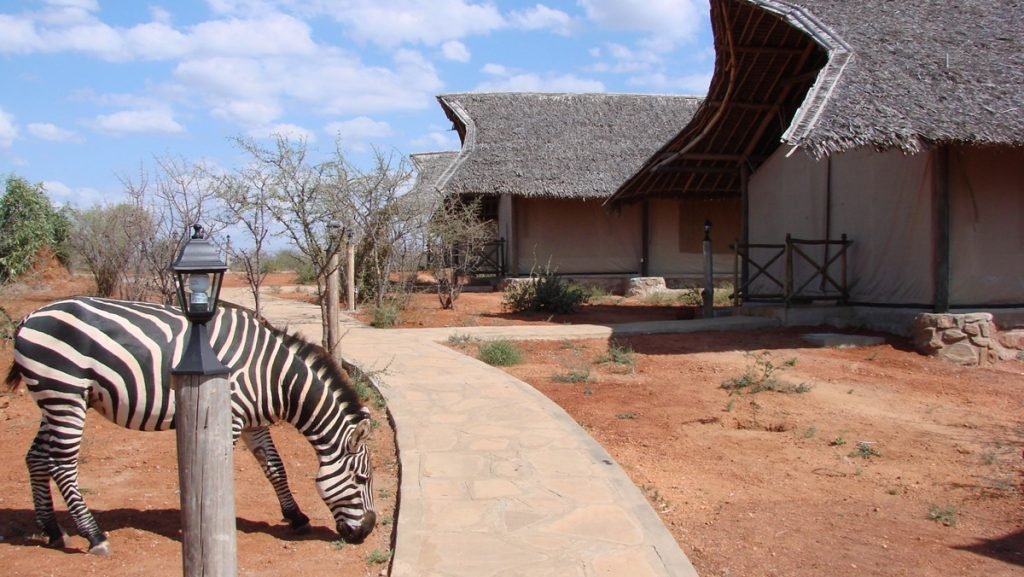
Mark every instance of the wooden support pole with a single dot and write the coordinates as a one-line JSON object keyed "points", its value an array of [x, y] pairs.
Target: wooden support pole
{"points": [[205, 469], [350, 275], [736, 274], [787, 288], [334, 307], [709, 279], [941, 219]]}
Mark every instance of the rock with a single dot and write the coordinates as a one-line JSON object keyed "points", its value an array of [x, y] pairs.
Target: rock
{"points": [[962, 353], [645, 286]]}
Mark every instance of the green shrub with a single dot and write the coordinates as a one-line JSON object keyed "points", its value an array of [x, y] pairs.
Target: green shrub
{"points": [[620, 354], [573, 376], [546, 291], [761, 375], [388, 312], [500, 353], [377, 557], [29, 222], [945, 514], [386, 315]]}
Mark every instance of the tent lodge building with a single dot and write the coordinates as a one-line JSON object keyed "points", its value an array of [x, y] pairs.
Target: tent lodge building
{"points": [[898, 125], [548, 162]]}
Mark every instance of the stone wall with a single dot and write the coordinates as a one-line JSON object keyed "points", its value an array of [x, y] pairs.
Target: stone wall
{"points": [[967, 339]]}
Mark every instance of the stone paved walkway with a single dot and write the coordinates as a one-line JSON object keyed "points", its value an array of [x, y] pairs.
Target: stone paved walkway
{"points": [[496, 479]]}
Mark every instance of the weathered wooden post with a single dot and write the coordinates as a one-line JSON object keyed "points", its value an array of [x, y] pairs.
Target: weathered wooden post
{"points": [[350, 271], [202, 394], [334, 294], [709, 280]]}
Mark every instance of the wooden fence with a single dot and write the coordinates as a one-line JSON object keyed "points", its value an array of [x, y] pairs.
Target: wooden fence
{"points": [[832, 284]]}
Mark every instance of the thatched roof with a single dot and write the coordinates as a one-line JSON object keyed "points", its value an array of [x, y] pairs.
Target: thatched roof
{"points": [[827, 76], [429, 168], [557, 145]]}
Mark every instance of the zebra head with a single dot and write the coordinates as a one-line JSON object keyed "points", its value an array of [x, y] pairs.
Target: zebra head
{"points": [[346, 484]]}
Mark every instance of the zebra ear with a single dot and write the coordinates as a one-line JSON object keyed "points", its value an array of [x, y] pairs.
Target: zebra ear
{"points": [[359, 436]]}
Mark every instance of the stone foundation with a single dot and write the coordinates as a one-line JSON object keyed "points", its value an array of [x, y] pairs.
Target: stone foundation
{"points": [[966, 339]]}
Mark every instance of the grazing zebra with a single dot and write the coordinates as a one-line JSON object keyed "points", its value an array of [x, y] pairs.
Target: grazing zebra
{"points": [[115, 357]]}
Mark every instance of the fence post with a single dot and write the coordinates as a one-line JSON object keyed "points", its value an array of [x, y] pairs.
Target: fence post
{"points": [[846, 290], [736, 274], [788, 288], [709, 281]]}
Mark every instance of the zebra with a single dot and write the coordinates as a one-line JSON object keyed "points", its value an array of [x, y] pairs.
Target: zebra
{"points": [[115, 357]]}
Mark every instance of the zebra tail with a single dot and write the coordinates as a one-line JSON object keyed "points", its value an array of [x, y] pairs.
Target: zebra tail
{"points": [[14, 374], [13, 378]]}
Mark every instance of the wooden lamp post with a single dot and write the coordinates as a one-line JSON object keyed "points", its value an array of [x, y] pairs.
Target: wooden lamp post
{"points": [[203, 420]]}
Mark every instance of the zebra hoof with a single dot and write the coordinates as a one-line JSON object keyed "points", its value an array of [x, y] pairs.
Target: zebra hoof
{"points": [[101, 550], [299, 522], [302, 529]]}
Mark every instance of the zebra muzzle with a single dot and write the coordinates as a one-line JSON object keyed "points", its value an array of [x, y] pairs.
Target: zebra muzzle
{"points": [[358, 533]]}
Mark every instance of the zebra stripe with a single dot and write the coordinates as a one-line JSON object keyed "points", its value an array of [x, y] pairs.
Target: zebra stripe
{"points": [[115, 357]]}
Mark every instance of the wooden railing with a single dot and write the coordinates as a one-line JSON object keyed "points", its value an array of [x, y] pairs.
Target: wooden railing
{"points": [[489, 261], [832, 284]]}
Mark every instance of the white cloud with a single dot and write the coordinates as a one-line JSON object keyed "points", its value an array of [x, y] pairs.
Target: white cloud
{"points": [[157, 119], [358, 133], [72, 29], [665, 23], [160, 15], [62, 194], [506, 80], [455, 50], [437, 140], [88, 5], [8, 130], [18, 35], [623, 59], [289, 131], [270, 35], [52, 132], [255, 92], [696, 84], [494, 69], [540, 17], [429, 22]]}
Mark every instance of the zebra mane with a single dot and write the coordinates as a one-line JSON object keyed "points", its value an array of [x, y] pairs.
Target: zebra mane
{"points": [[320, 360]]}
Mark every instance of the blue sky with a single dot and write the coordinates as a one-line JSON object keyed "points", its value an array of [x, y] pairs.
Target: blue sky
{"points": [[96, 89]]}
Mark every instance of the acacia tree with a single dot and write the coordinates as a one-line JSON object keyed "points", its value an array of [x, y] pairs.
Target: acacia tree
{"points": [[107, 240], [28, 223], [245, 197], [179, 196], [456, 237], [304, 199], [389, 223]]}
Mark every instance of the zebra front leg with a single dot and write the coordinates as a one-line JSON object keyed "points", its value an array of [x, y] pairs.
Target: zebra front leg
{"points": [[262, 448]]}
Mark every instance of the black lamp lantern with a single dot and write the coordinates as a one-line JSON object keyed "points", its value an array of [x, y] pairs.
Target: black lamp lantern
{"points": [[198, 272]]}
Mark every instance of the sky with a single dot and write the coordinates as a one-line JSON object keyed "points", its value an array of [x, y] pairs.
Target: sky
{"points": [[95, 91]]}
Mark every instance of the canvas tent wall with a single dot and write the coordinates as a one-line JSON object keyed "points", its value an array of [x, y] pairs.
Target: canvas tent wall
{"points": [[552, 159], [894, 123]]}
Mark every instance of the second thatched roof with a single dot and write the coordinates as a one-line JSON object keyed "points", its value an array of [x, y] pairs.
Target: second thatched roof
{"points": [[556, 145], [429, 168]]}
